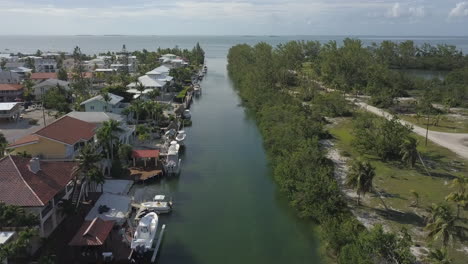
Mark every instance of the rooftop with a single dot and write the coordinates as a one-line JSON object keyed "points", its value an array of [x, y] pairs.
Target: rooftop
{"points": [[96, 117], [114, 99], [7, 106], [43, 75], [19, 186], [92, 233], [10, 87]]}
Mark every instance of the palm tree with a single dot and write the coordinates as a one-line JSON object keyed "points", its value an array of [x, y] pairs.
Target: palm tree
{"points": [[360, 177], [106, 97], [438, 256], [460, 197], [408, 151], [107, 133], [141, 88], [442, 224], [86, 164], [136, 107], [153, 94], [28, 90]]}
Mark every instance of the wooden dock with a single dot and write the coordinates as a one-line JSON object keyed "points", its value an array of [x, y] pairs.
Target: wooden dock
{"points": [[158, 244]]}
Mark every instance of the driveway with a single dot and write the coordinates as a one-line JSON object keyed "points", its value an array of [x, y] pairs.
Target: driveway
{"points": [[456, 142], [14, 130]]}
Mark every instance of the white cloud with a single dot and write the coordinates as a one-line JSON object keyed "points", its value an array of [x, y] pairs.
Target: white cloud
{"points": [[460, 10], [405, 11]]}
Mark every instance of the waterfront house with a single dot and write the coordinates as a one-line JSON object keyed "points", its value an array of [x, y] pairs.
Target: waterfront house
{"points": [[10, 92], [43, 87], [9, 77], [158, 78], [98, 104], [38, 187], [60, 140], [173, 61], [10, 110]]}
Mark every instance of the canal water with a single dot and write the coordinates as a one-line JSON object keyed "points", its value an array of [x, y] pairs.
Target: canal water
{"points": [[226, 206]]}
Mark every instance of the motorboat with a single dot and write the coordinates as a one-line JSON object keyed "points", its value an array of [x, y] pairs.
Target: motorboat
{"points": [[145, 232], [181, 135], [187, 114], [172, 164], [158, 205], [170, 133], [197, 90]]}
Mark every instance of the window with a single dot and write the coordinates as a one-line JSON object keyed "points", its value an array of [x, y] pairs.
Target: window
{"points": [[91, 107]]}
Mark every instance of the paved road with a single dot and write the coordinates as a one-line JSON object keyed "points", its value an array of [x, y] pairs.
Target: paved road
{"points": [[456, 142]]}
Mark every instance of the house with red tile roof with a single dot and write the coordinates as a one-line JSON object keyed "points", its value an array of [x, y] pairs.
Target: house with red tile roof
{"points": [[10, 92], [60, 140], [42, 76], [38, 187]]}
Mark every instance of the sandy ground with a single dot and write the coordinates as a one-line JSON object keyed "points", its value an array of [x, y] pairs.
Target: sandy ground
{"points": [[13, 130], [368, 218]]}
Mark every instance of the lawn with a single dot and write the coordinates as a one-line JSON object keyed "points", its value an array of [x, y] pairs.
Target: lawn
{"points": [[446, 123], [395, 182]]}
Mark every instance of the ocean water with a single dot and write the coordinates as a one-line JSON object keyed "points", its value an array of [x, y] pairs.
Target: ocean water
{"points": [[215, 46]]}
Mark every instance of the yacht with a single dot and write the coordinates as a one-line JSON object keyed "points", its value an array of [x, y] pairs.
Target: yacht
{"points": [[187, 114], [145, 232]]}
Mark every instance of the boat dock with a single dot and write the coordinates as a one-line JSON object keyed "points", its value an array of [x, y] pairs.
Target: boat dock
{"points": [[158, 244]]}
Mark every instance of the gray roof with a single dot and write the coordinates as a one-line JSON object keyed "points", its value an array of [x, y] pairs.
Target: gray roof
{"points": [[11, 65], [114, 99], [52, 82], [96, 117]]}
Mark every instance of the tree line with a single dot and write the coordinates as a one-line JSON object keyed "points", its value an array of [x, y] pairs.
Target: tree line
{"points": [[292, 132]]}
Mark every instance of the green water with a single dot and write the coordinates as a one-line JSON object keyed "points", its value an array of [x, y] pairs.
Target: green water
{"points": [[227, 209]]}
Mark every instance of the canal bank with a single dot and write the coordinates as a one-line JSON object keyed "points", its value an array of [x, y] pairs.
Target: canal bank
{"points": [[226, 207]]}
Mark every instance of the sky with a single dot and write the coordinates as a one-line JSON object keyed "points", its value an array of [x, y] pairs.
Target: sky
{"points": [[234, 17]]}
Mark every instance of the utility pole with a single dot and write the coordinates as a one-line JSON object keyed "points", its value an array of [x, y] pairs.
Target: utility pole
{"points": [[427, 128], [43, 109]]}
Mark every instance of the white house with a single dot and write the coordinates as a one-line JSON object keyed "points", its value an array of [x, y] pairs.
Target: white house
{"points": [[43, 87], [98, 104], [10, 111], [173, 60], [156, 79]]}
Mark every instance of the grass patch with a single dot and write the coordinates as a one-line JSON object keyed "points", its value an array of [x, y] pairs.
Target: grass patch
{"points": [[396, 182], [446, 123]]}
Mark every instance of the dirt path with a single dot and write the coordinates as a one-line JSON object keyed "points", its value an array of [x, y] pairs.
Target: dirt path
{"points": [[456, 142]]}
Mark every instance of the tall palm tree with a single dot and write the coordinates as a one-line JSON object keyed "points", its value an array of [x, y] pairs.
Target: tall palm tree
{"points": [[153, 94], [360, 177], [141, 88], [107, 133], [86, 164], [460, 197], [3, 145], [409, 151]]}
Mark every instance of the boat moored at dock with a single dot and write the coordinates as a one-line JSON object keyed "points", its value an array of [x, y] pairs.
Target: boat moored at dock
{"points": [[145, 232]]}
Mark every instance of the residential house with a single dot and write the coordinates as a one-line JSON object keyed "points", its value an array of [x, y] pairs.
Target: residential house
{"points": [[173, 61], [41, 64], [156, 79], [13, 65], [10, 111], [98, 104], [9, 77], [37, 186], [10, 92], [23, 72], [43, 87], [39, 77], [60, 140], [98, 118]]}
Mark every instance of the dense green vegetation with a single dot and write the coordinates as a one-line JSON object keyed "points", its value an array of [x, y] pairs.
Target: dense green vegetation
{"points": [[291, 132]]}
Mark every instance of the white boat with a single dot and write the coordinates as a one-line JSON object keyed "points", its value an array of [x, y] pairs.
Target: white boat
{"points": [[172, 164], [197, 90], [159, 207], [181, 137], [187, 114], [145, 233]]}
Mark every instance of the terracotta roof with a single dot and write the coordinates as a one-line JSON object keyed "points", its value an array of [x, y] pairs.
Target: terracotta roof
{"points": [[10, 87], [68, 130], [24, 140], [92, 233], [145, 153], [43, 75], [19, 186]]}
